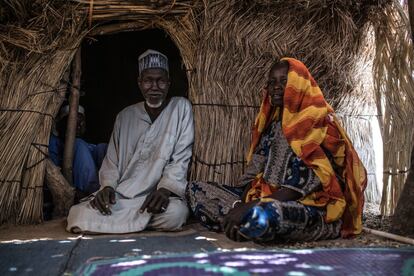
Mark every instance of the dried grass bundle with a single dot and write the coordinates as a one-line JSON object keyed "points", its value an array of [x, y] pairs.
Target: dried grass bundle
{"points": [[149, 10], [240, 42], [34, 57], [394, 85]]}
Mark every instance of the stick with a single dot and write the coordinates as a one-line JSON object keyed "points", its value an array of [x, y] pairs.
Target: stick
{"points": [[72, 118], [118, 27], [411, 16], [389, 235]]}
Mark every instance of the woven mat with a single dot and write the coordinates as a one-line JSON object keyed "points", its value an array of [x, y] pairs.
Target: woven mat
{"points": [[283, 262], [57, 257]]}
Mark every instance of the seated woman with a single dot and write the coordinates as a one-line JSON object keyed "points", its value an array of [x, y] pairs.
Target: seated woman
{"points": [[304, 180]]}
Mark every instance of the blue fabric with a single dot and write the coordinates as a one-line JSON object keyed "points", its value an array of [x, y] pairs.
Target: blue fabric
{"points": [[56, 150], [266, 221], [85, 171], [210, 211], [87, 160], [99, 153]]}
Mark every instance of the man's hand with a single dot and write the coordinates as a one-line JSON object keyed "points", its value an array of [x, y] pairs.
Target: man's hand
{"points": [[103, 199], [233, 220], [156, 202]]}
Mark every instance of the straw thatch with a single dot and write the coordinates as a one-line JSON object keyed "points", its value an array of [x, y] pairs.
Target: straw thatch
{"points": [[227, 47], [393, 74]]}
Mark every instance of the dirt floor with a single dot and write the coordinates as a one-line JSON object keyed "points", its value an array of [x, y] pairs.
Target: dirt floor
{"points": [[55, 230], [33, 248]]}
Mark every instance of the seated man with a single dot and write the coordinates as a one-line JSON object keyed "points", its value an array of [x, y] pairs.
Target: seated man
{"points": [[87, 158], [304, 180], [144, 173]]}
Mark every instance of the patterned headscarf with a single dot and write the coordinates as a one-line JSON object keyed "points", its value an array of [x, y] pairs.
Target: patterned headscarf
{"points": [[310, 127]]}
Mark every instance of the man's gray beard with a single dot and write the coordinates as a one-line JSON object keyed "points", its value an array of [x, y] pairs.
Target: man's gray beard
{"points": [[154, 105]]}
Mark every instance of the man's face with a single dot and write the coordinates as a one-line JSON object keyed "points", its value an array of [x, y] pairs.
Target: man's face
{"points": [[62, 124], [277, 83], [154, 85]]}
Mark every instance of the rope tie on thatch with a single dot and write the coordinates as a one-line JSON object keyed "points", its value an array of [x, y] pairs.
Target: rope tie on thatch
{"points": [[48, 91], [45, 154], [26, 110], [11, 181], [198, 160], [226, 105], [396, 173], [360, 115], [32, 188], [54, 89]]}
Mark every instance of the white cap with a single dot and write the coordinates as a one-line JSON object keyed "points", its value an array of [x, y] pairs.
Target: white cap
{"points": [[152, 59], [64, 111]]}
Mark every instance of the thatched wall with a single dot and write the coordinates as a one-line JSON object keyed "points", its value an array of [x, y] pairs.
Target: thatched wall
{"points": [[393, 74], [337, 42], [240, 42], [227, 48], [37, 44]]}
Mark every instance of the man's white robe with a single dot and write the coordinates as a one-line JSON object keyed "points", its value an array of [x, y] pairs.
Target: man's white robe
{"points": [[142, 156]]}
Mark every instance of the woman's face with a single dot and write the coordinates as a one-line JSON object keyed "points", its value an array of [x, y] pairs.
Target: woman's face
{"points": [[277, 83]]}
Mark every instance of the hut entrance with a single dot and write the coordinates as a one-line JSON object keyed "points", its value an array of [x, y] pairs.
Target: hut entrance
{"points": [[109, 76]]}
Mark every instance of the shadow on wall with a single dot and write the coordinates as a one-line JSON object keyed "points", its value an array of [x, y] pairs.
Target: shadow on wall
{"points": [[109, 76]]}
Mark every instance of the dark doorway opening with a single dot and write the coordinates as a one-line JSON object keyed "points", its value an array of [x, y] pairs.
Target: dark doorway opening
{"points": [[109, 76]]}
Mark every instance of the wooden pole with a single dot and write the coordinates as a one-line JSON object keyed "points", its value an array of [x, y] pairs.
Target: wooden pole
{"points": [[389, 235], [411, 17], [118, 27], [72, 118]]}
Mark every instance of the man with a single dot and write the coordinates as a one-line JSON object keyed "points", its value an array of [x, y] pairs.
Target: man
{"points": [[87, 158], [143, 175], [304, 180]]}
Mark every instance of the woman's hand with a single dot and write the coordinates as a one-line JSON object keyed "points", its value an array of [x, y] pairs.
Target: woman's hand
{"points": [[234, 218]]}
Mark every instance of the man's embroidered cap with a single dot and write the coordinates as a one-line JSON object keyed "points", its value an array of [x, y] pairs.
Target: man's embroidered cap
{"points": [[152, 59]]}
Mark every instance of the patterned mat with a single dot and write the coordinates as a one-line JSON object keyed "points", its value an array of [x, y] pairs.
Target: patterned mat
{"points": [[282, 262], [59, 257]]}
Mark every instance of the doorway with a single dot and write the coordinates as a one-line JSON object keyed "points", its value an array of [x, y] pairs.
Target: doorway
{"points": [[110, 72]]}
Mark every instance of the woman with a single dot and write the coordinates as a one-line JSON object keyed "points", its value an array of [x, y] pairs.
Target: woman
{"points": [[304, 180]]}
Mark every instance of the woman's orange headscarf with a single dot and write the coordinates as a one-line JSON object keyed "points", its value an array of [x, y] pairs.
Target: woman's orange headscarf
{"points": [[310, 127]]}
